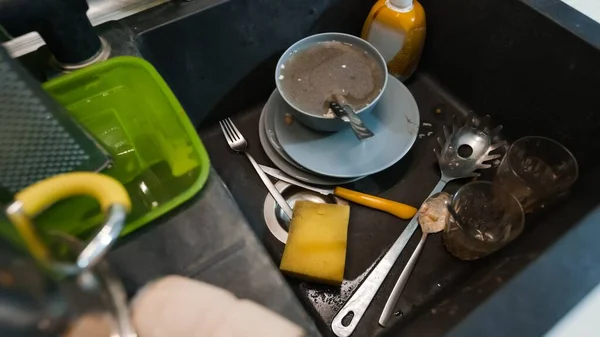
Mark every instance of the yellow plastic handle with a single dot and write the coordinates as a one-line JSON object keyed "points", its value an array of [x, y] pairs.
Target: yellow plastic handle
{"points": [[39, 196], [27, 232], [400, 210]]}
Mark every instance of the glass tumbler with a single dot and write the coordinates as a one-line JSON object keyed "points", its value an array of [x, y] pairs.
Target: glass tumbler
{"points": [[484, 217], [536, 170]]}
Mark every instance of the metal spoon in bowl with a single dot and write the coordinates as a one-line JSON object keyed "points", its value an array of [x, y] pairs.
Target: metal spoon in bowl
{"points": [[342, 110], [432, 219]]}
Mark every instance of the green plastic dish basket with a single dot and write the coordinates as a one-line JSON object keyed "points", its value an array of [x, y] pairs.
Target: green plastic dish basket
{"points": [[157, 155]]}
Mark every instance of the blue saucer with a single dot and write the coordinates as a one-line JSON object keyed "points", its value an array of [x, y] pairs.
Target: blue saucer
{"points": [[394, 121]]}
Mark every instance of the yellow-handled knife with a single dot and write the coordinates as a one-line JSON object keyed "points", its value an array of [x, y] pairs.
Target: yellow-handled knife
{"points": [[398, 209]]}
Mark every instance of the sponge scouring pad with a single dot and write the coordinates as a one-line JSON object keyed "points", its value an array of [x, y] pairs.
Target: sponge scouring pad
{"points": [[316, 245]]}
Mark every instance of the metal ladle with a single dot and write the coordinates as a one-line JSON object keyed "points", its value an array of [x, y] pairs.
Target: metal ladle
{"points": [[432, 218]]}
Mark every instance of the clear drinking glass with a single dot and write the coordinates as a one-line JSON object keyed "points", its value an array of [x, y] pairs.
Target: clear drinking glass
{"points": [[484, 217], [536, 170]]}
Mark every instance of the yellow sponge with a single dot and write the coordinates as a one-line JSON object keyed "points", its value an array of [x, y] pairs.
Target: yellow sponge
{"points": [[316, 245]]}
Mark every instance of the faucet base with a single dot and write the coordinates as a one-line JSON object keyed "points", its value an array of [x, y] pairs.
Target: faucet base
{"points": [[102, 54]]}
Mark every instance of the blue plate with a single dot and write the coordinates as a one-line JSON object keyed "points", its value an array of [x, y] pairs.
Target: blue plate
{"points": [[394, 121], [276, 154]]}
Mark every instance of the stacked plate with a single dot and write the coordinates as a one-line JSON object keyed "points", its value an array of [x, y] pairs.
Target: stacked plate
{"points": [[337, 158]]}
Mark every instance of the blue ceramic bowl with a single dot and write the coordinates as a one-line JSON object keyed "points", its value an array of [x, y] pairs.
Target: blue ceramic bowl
{"points": [[317, 121]]}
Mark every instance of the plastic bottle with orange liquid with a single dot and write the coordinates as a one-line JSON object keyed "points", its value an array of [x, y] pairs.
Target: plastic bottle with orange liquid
{"points": [[397, 29]]}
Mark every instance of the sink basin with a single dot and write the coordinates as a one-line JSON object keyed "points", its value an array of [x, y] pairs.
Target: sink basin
{"points": [[228, 72], [524, 70]]}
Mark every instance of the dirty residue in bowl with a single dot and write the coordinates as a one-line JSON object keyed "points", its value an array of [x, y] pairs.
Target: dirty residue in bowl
{"points": [[311, 76]]}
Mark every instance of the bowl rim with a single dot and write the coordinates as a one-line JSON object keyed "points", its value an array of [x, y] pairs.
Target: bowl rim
{"points": [[374, 52]]}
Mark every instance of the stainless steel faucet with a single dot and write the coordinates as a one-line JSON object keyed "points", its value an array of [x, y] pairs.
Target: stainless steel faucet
{"points": [[63, 25], [99, 12]]}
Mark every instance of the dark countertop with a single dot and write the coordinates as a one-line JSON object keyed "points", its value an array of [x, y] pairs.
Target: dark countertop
{"points": [[208, 239], [570, 18]]}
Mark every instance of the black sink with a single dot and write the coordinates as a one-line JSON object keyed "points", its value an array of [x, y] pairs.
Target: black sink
{"points": [[501, 58]]}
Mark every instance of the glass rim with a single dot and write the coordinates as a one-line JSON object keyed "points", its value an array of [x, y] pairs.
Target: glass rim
{"points": [[522, 139], [483, 182]]}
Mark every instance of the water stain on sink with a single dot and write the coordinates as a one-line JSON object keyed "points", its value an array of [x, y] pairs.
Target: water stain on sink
{"points": [[329, 300]]}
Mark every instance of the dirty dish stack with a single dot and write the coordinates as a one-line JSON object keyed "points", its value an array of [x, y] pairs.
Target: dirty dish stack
{"points": [[320, 148]]}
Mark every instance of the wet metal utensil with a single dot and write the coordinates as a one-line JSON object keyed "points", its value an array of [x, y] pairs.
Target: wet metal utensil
{"points": [[395, 208], [462, 152], [345, 112], [238, 143], [432, 217]]}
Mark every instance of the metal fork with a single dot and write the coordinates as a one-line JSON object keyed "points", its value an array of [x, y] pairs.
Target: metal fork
{"points": [[238, 143]]}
